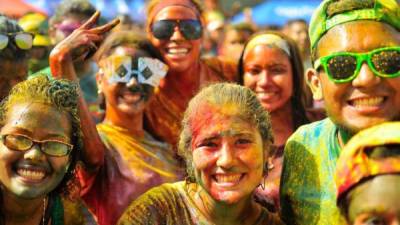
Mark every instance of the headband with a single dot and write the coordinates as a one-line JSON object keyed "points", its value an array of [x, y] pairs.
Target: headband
{"points": [[354, 164], [167, 3], [271, 40], [387, 11]]}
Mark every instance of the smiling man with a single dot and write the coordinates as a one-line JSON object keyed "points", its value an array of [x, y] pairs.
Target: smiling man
{"points": [[356, 52]]}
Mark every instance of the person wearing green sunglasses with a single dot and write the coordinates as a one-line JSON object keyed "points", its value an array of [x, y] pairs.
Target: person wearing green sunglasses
{"points": [[14, 54], [355, 50]]}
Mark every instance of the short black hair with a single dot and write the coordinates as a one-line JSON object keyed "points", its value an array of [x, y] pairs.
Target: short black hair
{"points": [[72, 7], [11, 52]]}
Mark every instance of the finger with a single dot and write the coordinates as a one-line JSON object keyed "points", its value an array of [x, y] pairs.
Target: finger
{"points": [[106, 27], [91, 21]]}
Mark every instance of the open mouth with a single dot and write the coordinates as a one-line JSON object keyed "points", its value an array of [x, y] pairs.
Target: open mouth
{"points": [[31, 175], [177, 51], [367, 102], [228, 179]]}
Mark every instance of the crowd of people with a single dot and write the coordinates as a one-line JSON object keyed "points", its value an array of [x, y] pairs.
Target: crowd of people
{"points": [[188, 119]]}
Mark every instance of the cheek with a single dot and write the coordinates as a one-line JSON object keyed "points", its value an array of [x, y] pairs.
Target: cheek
{"points": [[203, 159], [250, 81], [60, 165]]}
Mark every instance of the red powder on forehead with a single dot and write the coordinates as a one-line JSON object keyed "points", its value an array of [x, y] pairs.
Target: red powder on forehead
{"points": [[166, 3], [204, 114]]}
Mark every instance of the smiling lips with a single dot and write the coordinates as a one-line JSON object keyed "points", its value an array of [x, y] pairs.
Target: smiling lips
{"points": [[31, 175], [177, 51], [367, 102], [228, 179]]}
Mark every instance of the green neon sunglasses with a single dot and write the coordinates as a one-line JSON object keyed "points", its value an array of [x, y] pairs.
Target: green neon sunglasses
{"points": [[343, 67]]}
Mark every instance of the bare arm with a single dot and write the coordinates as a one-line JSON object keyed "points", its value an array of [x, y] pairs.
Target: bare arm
{"points": [[76, 47]]}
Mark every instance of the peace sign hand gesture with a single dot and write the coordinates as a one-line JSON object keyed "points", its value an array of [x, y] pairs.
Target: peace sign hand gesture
{"points": [[80, 45]]}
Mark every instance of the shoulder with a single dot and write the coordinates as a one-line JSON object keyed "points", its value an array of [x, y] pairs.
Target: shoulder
{"points": [[226, 68], [311, 132], [155, 205]]}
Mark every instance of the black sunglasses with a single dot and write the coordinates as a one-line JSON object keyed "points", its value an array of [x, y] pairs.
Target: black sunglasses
{"points": [[164, 29]]}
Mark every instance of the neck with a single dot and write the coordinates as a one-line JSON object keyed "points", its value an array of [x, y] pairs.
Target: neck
{"points": [[22, 211], [282, 124], [133, 123], [245, 212], [184, 80]]}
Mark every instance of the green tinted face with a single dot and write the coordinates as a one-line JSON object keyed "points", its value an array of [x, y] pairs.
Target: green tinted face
{"points": [[376, 201]]}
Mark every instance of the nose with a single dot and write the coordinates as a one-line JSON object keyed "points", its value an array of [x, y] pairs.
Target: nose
{"points": [[366, 78], [34, 153], [226, 158], [177, 35], [264, 79], [132, 82]]}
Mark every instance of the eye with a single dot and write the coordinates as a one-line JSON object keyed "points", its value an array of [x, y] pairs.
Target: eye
{"points": [[207, 143], [375, 220], [278, 70], [253, 70], [243, 141]]}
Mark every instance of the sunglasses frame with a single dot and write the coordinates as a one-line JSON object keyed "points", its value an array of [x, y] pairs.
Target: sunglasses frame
{"points": [[360, 59], [11, 37], [40, 143], [178, 23]]}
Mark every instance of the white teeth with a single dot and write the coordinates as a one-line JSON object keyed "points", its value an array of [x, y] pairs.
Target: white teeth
{"points": [[178, 51], [227, 178], [31, 174], [363, 102]]}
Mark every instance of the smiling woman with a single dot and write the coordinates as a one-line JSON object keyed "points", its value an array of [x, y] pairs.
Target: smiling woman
{"points": [[175, 28], [39, 148], [226, 134]]}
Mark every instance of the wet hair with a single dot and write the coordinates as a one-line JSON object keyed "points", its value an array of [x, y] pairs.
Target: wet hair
{"points": [[341, 6], [61, 94], [219, 95], [124, 38], [12, 52], [72, 7], [241, 27], [298, 99]]}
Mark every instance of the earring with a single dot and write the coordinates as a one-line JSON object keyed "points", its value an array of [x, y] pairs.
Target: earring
{"points": [[262, 184]]}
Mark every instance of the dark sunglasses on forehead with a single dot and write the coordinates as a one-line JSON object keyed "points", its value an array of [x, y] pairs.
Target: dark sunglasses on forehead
{"points": [[22, 40], [164, 29], [343, 67]]}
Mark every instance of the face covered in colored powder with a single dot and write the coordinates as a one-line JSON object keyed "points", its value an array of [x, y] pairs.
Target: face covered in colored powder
{"points": [[178, 51], [368, 99], [131, 97], [32, 173], [376, 201], [228, 153], [268, 72]]}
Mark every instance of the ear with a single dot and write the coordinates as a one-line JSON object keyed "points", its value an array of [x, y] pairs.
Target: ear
{"points": [[314, 82]]}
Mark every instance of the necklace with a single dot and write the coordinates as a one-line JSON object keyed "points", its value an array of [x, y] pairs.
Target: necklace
{"points": [[44, 210]]}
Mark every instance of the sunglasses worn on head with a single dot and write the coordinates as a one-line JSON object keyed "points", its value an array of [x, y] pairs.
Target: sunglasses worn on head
{"points": [[344, 66], [22, 40], [18, 142], [164, 29]]}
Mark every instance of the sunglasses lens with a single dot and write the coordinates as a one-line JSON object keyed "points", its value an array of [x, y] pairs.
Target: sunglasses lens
{"points": [[342, 67], [55, 148], [163, 29], [3, 41], [24, 41], [387, 62], [191, 29], [17, 142]]}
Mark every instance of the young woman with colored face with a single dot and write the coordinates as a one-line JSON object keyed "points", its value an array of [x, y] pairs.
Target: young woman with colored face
{"points": [[368, 177], [15, 45], [133, 160], [40, 144], [225, 138], [175, 28], [271, 66]]}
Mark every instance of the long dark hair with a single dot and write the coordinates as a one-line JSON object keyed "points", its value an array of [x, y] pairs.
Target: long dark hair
{"points": [[298, 97]]}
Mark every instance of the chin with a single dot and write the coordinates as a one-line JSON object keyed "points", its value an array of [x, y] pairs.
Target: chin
{"points": [[356, 125]]}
